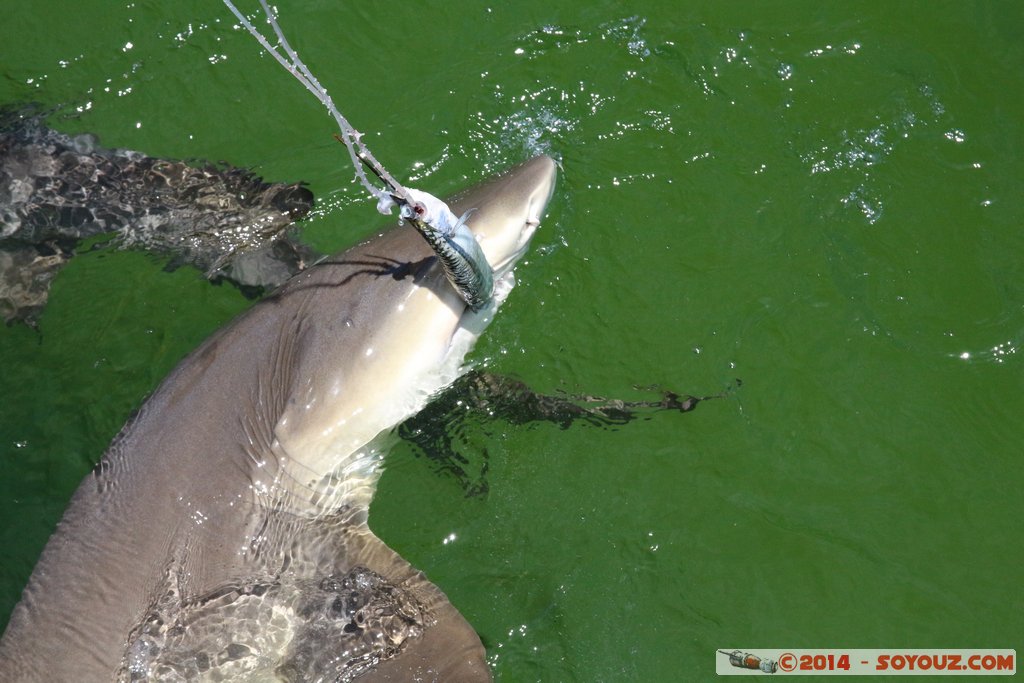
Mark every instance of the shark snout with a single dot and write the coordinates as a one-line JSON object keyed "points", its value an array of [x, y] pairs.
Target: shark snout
{"points": [[508, 209]]}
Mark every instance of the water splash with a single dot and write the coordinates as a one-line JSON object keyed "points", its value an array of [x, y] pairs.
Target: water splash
{"points": [[334, 629], [627, 33], [859, 152], [998, 353]]}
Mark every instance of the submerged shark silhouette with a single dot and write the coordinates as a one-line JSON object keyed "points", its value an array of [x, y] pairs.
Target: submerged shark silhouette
{"points": [[57, 189]]}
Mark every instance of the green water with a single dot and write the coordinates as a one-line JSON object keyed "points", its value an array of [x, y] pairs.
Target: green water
{"points": [[821, 199]]}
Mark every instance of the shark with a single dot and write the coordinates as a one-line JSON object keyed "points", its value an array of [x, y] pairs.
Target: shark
{"points": [[223, 535]]}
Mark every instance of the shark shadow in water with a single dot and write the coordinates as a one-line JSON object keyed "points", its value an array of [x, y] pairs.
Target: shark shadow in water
{"points": [[442, 431], [57, 189]]}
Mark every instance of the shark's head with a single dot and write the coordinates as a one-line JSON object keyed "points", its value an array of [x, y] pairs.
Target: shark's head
{"points": [[508, 210], [401, 339]]}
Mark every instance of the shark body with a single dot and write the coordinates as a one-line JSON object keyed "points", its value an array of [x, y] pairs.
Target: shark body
{"points": [[223, 536]]}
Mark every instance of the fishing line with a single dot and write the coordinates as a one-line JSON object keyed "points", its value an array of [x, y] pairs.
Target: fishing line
{"points": [[460, 254]]}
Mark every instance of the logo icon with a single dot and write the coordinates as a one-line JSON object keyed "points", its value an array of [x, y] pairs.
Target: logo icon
{"points": [[744, 660]]}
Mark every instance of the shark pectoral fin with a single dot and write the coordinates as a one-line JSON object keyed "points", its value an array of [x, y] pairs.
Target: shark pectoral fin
{"points": [[199, 214], [446, 431], [368, 615], [449, 650]]}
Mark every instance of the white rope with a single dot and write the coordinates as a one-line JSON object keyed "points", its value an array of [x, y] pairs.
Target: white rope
{"points": [[460, 254], [350, 136]]}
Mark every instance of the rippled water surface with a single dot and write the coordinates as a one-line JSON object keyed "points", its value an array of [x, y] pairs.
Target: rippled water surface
{"points": [[823, 201]]}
